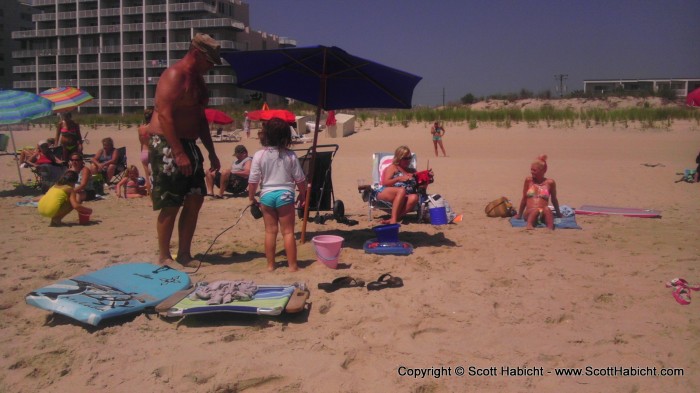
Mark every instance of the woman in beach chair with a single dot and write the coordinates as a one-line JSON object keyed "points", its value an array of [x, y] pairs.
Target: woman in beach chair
{"points": [[538, 191], [398, 185], [106, 160]]}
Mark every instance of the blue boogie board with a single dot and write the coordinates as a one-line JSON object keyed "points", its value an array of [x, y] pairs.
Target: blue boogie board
{"points": [[373, 246], [114, 291]]}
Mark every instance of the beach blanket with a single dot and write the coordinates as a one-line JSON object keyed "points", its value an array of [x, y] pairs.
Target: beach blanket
{"points": [[28, 203], [559, 223]]}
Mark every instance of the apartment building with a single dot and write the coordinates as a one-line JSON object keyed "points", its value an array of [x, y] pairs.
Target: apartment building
{"points": [[14, 15], [117, 49]]}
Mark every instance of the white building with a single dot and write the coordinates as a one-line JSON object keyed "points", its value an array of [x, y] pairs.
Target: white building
{"points": [[117, 49]]}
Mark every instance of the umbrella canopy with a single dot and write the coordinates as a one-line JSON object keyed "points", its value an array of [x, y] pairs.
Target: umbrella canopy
{"points": [[66, 99], [330, 120], [217, 117], [327, 77], [693, 98], [21, 106], [268, 114]]}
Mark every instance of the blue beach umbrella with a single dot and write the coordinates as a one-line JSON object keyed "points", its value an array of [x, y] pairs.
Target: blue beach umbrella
{"points": [[19, 107], [327, 77]]}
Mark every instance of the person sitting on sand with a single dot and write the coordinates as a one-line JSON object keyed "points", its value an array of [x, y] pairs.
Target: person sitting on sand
{"points": [[398, 185], [61, 199], [538, 191], [132, 185], [84, 188], [235, 179]]}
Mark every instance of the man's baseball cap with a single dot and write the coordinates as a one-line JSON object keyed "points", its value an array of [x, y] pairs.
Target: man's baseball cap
{"points": [[207, 45]]}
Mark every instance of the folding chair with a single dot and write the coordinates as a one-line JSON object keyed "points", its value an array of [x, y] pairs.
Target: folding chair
{"points": [[47, 175], [121, 170], [381, 161]]}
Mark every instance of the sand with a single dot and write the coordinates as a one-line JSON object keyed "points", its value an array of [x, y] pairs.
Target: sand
{"points": [[479, 294]]}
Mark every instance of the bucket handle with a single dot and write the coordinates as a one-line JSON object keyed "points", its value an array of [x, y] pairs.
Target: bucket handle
{"points": [[318, 254]]}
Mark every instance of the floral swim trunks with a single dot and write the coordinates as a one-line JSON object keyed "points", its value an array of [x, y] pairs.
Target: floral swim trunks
{"points": [[170, 186]]}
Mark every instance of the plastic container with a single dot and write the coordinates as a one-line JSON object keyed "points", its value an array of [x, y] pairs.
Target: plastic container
{"points": [[438, 216], [3, 142], [83, 218], [328, 249], [388, 233]]}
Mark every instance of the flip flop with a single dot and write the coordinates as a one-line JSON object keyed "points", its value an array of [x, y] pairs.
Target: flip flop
{"points": [[682, 295], [386, 280], [341, 282], [297, 301], [682, 283]]}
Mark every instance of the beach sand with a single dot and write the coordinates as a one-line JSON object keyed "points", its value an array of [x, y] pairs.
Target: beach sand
{"points": [[476, 294]]}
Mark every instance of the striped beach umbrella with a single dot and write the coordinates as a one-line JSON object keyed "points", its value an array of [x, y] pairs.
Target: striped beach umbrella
{"points": [[66, 99], [19, 107]]}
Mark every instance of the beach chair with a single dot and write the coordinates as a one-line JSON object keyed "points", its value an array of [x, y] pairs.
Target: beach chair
{"points": [[47, 175], [219, 135], [296, 138], [379, 162], [121, 170]]}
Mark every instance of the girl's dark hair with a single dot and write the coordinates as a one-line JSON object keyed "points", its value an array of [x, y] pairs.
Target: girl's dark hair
{"points": [[68, 178], [276, 133]]}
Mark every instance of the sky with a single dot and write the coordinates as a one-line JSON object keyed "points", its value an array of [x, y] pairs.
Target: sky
{"points": [[489, 47]]}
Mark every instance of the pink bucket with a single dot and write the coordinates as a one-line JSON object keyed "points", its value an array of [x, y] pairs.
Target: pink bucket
{"points": [[327, 249], [83, 219]]}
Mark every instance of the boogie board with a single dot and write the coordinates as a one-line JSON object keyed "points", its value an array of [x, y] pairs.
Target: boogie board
{"points": [[373, 246], [114, 291], [268, 300], [618, 211]]}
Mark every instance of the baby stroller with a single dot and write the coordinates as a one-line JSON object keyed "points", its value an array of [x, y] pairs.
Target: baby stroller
{"points": [[322, 197]]}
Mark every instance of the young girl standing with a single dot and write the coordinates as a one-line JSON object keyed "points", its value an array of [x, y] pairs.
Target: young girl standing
{"points": [[276, 170]]}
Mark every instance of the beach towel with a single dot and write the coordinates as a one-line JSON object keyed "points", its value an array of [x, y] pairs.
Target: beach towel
{"points": [[559, 223], [28, 203]]}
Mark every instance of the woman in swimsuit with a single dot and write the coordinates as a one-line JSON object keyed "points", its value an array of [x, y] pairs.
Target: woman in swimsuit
{"points": [[68, 135], [144, 137], [537, 192], [437, 131], [106, 159], [399, 185]]}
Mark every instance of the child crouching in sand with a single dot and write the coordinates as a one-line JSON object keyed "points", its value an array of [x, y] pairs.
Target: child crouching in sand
{"points": [[276, 170], [61, 199], [131, 185]]}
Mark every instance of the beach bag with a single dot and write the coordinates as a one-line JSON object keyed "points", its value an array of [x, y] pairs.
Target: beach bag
{"points": [[500, 207]]}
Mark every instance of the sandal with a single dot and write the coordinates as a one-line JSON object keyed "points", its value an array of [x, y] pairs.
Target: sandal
{"points": [[682, 295], [386, 280], [681, 283], [341, 282]]}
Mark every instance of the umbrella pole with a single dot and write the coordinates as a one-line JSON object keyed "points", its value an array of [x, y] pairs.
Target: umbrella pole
{"points": [[309, 181], [14, 149]]}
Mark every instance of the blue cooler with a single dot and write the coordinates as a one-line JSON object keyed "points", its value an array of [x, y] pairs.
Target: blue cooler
{"points": [[388, 233], [438, 216]]}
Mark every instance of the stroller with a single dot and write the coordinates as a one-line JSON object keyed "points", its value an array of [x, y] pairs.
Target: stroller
{"points": [[322, 197]]}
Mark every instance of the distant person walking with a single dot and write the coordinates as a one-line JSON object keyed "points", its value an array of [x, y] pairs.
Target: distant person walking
{"points": [[177, 164], [438, 131]]}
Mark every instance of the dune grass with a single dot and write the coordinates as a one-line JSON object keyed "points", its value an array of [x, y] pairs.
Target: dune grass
{"points": [[648, 117]]}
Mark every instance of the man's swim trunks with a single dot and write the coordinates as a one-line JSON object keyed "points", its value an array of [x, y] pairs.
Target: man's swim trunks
{"points": [[170, 186]]}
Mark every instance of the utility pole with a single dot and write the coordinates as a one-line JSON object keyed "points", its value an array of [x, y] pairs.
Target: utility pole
{"points": [[561, 78]]}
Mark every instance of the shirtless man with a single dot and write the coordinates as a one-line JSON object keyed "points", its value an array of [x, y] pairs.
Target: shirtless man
{"points": [[176, 162]]}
